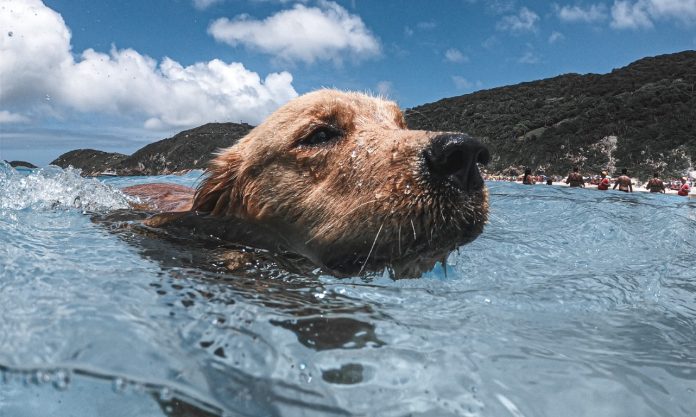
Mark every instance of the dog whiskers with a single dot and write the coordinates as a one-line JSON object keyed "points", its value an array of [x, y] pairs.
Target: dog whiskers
{"points": [[399, 240], [371, 248], [331, 225]]}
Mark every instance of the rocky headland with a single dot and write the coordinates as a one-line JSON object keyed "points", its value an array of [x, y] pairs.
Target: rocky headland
{"points": [[187, 150], [21, 164]]}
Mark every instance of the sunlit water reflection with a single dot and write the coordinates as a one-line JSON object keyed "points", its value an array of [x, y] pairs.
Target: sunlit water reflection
{"points": [[572, 303]]}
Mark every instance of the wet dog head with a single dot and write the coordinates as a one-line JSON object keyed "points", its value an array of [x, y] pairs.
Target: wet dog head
{"points": [[339, 179]]}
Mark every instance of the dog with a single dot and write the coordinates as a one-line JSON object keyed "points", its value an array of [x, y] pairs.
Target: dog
{"points": [[338, 179]]}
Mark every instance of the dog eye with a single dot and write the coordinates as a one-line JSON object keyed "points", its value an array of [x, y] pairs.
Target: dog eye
{"points": [[321, 135]]}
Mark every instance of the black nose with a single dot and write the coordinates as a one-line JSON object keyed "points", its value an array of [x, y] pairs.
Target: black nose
{"points": [[454, 158]]}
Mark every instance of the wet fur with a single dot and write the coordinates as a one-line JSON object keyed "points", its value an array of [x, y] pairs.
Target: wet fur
{"points": [[360, 203]]}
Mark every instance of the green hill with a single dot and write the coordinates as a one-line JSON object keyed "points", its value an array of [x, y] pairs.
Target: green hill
{"points": [[641, 117]]}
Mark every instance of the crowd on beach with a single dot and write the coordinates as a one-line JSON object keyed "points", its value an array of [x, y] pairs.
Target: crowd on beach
{"points": [[682, 186]]}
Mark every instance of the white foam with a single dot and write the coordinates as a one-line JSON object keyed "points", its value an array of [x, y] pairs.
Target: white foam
{"points": [[56, 188]]}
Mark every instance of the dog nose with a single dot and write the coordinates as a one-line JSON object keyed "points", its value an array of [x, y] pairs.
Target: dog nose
{"points": [[454, 157]]}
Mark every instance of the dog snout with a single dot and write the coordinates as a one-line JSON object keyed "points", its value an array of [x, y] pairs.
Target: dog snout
{"points": [[454, 158]]}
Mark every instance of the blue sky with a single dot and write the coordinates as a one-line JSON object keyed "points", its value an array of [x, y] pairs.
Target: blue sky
{"points": [[115, 75]]}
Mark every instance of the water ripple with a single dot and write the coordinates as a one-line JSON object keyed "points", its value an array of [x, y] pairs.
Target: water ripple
{"points": [[572, 302]]}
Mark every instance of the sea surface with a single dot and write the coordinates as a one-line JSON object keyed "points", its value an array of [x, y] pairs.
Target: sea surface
{"points": [[571, 303]]}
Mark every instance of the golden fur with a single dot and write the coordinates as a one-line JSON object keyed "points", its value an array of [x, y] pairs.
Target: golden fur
{"points": [[359, 202]]}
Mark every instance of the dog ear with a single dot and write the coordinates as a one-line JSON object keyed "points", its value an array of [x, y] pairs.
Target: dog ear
{"points": [[217, 194]]}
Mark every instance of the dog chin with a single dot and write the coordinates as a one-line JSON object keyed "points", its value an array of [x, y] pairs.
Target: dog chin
{"points": [[410, 261]]}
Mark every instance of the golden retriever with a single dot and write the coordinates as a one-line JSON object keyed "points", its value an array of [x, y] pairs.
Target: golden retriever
{"points": [[338, 178]]}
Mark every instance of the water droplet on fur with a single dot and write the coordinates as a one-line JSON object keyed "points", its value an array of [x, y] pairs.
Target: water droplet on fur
{"points": [[302, 366], [353, 154]]}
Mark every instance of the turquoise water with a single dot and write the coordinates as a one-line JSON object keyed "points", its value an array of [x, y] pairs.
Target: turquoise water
{"points": [[571, 303]]}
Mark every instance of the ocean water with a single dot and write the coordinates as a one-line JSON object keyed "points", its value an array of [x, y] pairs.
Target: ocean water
{"points": [[571, 303]]}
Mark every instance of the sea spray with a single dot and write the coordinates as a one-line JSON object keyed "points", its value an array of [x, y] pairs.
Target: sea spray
{"points": [[56, 188]]}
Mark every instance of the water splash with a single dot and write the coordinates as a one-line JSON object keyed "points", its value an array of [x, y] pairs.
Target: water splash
{"points": [[56, 188]]}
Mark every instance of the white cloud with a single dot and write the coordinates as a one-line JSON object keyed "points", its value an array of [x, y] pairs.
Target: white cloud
{"points": [[204, 4], [591, 14], [426, 25], [683, 10], [9, 117], [41, 75], [642, 14], [421, 26], [500, 6], [307, 34], [455, 55], [524, 21], [627, 15], [461, 83], [556, 37], [490, 42], [529, 57]]}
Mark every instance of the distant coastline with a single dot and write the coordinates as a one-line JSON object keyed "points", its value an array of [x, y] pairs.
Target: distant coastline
{"points": [[640, 117], [185, 151], [21, 164]]}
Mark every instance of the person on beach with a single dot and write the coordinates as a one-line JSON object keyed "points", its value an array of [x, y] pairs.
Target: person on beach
{"points": [[575, 179], [655, 185], [684, 188], [624, 182], [528, 179], [604, 182]]}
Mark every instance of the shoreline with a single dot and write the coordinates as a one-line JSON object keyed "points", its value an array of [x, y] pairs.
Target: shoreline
{"points": [[636, 189]]}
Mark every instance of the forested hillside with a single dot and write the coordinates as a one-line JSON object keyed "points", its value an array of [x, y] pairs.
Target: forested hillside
{"points": [[641, 117]]}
